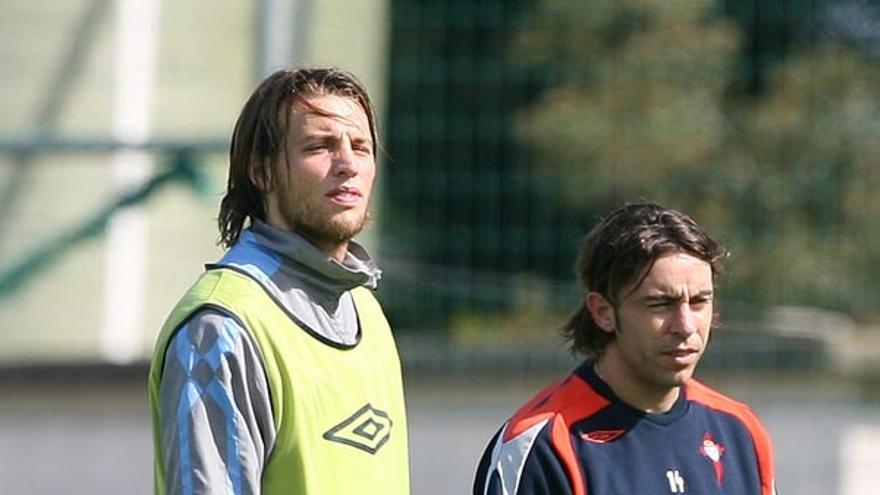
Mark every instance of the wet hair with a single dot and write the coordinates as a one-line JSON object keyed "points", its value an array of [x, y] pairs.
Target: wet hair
{"points": [[617, 254], [260, 135]]}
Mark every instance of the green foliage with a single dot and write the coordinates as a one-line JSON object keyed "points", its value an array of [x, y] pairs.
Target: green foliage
{"points": [[813, 162], [534, 319], [638, 94], [640, 103]]}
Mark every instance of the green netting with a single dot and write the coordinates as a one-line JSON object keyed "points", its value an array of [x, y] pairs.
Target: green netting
{"points": [[514, 124], [464, 198]]}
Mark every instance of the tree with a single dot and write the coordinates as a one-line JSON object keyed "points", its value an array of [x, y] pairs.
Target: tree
{"points": [[635, 94], [643, 101]]}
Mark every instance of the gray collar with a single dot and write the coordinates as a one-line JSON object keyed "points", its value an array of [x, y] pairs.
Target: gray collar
{"points": [[317, 269]]}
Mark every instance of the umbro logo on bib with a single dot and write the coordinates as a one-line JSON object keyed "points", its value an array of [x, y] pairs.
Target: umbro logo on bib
{"points": [[367, 429]]}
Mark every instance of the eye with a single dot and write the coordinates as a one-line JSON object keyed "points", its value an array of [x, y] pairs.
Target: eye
{"points": [[363, 148], [699, 303], [314, 147], [659, 304]]}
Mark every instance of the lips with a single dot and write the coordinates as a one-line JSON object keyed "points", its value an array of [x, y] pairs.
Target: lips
{"points": [[680, 352], [682, 357], [345, 195]]}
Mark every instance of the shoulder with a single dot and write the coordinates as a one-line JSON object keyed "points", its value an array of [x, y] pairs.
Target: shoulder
{"points": [[716, 401], [211, 333], [534, 447], [363, 296], [700, 393], [565, 401], [222, 288], [368, 308], [209, 323]]}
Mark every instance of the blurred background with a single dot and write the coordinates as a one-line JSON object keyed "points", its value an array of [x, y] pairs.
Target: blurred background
{"points": [[509, 128]]}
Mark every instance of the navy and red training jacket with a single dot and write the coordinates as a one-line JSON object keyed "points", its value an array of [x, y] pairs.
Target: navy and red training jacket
{"points": [[577, 438]]}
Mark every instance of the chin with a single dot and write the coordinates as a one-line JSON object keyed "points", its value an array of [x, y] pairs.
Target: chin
{"points": [[343, 230], [675, 377], [683, 376]]}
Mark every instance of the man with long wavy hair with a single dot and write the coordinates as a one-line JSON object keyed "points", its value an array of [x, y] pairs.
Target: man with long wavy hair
{"points": [[277, 371]]}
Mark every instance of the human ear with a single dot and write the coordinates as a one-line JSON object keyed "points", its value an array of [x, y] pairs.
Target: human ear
{"points": [[602, 311], [259, 175]]}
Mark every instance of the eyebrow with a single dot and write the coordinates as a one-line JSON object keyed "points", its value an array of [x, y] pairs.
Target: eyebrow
{"points": [[322, 133], [668, 297], [328, 134]]}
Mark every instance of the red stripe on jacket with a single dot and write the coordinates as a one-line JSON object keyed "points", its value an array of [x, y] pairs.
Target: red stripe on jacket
{"points": [[564, 402]]}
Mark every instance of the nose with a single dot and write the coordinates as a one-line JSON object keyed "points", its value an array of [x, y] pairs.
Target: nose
{"points": [[685, 320], [344, 163]]}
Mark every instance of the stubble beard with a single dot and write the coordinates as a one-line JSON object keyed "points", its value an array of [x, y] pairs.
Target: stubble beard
{"points": [[650, 374], [313, 224]]}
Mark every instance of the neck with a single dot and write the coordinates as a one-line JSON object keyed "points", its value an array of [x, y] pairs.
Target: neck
{"points": [[630, 389], [335, 250], [311, 263]]}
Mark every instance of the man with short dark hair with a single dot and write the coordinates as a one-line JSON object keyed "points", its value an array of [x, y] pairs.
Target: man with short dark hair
{"points": [[277, 371], [631, 419]]}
